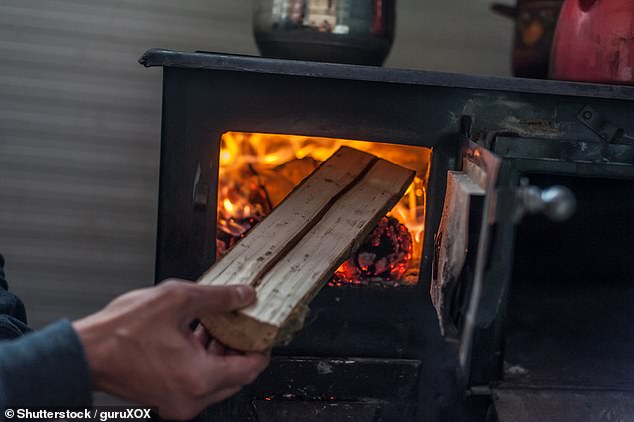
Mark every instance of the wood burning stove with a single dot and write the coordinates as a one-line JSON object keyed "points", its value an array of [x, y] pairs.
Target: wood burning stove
{"points": [[491, 148]]}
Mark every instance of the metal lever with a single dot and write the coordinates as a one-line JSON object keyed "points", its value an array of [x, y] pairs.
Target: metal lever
{"points": [[558, 203]]}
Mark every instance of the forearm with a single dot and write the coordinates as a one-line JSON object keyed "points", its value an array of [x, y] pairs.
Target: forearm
{"points": [[45, 368]]}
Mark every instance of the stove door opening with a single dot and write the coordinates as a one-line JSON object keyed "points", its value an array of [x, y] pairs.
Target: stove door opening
{"points": [[257, 171]]}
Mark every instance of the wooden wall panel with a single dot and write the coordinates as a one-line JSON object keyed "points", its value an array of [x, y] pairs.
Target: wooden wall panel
{"points": [[80, 126]]}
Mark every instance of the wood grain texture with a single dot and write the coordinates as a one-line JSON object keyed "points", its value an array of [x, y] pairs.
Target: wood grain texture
{"points": [[285, 290], [249, 260]]}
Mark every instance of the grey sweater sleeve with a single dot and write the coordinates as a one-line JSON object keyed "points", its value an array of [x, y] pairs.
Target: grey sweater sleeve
{"points": [[44, 368]]}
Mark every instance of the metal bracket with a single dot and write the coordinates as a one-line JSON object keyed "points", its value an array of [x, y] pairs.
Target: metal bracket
{"points": [[607, 131], [200, 195]]}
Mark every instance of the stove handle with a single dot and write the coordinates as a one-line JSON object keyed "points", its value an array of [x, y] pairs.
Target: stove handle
{"points": [[558, 203]]}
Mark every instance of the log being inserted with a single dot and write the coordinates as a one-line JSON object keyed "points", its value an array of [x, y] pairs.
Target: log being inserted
{"points": [[293, 252]]}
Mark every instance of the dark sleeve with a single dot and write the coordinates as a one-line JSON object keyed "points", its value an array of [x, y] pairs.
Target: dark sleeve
{"points": [[3, 281], [45, 368], [12, 312]]}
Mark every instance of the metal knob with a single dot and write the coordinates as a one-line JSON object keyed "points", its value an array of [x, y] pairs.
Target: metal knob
{"points": [[558, 203]]}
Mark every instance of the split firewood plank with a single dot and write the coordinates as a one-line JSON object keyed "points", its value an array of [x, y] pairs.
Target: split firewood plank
{"points": [[285, 289], [460, 223], [270, 239]]}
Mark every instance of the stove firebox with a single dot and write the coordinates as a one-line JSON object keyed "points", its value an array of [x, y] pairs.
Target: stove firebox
{"points": [[372, 349], [257, 171]]}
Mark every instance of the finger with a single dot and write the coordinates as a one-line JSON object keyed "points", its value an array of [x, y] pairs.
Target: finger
{"points": [[240, 370]]}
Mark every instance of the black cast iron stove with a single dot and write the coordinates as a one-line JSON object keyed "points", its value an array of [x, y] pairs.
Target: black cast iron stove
{"points": [[527, 322]]}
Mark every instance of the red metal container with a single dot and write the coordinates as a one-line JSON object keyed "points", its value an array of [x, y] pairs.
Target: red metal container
{"points": [[594, 42]]}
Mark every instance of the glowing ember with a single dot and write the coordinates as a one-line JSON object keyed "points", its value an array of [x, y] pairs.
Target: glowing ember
{"points": [[384, 256], [245, 202], [258, 170]]}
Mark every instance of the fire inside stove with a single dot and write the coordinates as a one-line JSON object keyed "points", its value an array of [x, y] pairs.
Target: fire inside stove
{"points": [[258, 170]]}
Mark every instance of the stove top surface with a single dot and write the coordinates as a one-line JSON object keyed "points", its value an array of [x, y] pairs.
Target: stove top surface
{"points": [[240, 63]]}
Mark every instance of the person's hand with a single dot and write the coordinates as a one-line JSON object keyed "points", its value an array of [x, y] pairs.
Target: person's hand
{"points": [[141, 348]]}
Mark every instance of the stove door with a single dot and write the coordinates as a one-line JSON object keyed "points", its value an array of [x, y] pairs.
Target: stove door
{"points": [[462, 247], [455, 249], [473, 255]]}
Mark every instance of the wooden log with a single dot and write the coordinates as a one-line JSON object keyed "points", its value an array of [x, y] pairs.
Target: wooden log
{"points": [[289, 281], [269, 240]]}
